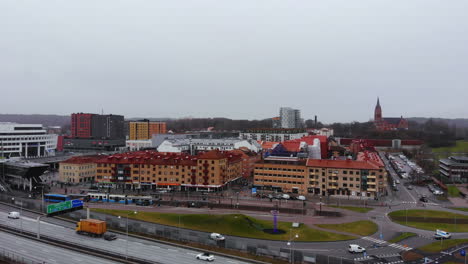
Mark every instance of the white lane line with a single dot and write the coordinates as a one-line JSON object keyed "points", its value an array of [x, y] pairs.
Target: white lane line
{"points": [[171, 249]]}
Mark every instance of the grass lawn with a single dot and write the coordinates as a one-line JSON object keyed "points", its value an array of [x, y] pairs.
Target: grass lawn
{"points": [[453, 191], [465, 209], [445, 244], [427, 213], [401, 237], [232, 224], [431, 225], [362, 228], [461, 146], [353, 208]]}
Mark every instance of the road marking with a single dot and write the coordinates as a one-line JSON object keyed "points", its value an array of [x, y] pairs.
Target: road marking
{"points": [[171, 249]]}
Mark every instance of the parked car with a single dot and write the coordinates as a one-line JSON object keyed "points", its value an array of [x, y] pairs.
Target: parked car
{"points": [[217, 237], [397, 181], [285, 196], [353, 248], [440, 234], [410, 187], [301, 198], [14, 215], [437, 192], [423, 199], [205, 256]]}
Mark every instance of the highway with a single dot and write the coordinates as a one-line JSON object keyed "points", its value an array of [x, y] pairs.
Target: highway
{"points": [[27, 248], [148, 250]]}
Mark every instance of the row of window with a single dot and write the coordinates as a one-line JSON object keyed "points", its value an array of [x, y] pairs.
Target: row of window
{"points": [[278, 169], [279, 175]]}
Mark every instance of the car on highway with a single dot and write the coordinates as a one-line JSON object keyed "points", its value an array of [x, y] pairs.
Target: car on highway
{"points": [[14, 215], [205, 256], [217, 237], [354, 248], [109, 237]]}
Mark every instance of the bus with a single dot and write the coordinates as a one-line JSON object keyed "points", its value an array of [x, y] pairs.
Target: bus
{"points": [[58, 198]]}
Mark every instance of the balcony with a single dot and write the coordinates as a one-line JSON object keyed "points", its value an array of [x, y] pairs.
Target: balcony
{"points": [[371, 176]]}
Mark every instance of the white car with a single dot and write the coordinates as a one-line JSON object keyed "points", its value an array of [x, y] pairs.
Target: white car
{"points": [[14, 215], [285, 196], [439, 234], [353, 248], [397, 181], [217, 237], [301, 198], [205, 256]]}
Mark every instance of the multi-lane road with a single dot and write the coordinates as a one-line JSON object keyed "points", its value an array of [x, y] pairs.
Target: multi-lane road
{"points": [[143, 249]]}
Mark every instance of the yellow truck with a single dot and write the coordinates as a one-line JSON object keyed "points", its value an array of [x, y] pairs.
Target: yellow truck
{"points": [[91, 227]]}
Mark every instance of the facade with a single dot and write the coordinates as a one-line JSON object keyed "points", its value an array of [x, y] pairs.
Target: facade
{"points": [[321, 177], [455, 168], [273, 134], [26, 140], [78, 169], [135, 145], [290, 118], [195, 145], [388, 123], [249, 159], [147, 169], [145, 129], [96, 132]]}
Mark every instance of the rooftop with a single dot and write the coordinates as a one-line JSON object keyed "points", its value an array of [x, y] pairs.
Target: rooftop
{"points": [[342, 164]]}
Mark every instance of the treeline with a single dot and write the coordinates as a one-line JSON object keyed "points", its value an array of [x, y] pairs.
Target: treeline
{"points": [[435, 133], [219, 124]]}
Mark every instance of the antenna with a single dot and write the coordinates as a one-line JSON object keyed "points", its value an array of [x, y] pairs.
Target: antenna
{"points": [[102, 111]]}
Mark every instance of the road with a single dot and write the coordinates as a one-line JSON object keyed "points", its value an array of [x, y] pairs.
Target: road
{"points": [[139, 248], [41, 252]]}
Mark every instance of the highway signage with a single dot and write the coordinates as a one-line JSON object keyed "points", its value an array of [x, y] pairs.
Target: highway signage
{"points": [[64, 207]]}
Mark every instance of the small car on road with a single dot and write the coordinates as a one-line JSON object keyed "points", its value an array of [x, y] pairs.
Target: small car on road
{"points": [[109, 237], [205, 256], [423, 199], [217, 237]]}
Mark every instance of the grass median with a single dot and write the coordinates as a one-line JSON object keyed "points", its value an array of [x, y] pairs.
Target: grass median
{"points": [[464, 209], [453, 191], [430, 224], [438, 246], [230, 224], [401, 237], [353, 208], [362, 228]]}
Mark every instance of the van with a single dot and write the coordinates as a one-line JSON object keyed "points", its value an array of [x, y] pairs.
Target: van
{"points": [[353, 248], [440, 234], [14, 215]]}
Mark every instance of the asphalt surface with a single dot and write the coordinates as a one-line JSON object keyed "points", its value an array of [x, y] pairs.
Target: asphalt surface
{"points": [[139, 248], [37, 251]]}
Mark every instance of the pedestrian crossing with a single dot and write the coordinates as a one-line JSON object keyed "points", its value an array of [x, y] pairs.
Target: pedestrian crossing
{"points": [[408, 202], [382, 242], [380, 256]]}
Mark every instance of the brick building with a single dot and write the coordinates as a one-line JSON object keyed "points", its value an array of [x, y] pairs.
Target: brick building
{"points": [[78, 169], [147, 169], [388, 123], [145, 129]]}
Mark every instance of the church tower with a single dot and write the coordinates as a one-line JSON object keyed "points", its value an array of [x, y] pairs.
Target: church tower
{"points": [[378, 112]]}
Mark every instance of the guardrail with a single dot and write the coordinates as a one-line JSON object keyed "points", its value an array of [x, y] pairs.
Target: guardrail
{"points": [[75, 247], [15, 257]]}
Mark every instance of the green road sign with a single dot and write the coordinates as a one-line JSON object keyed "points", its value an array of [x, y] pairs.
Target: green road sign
{"points": [[52, 208]]}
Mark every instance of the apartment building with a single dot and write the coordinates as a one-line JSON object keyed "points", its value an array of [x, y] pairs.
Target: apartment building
{"points": [[78, 169], [145, 129], [321, 177], [147, 169], [273, 134], [455, 168]]}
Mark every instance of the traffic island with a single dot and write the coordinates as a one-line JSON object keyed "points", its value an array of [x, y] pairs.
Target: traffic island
{"points": [[431, 220]]}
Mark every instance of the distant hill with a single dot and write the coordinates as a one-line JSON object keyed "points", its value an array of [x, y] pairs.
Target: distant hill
{"points": [[45, 120], [458, 122]]}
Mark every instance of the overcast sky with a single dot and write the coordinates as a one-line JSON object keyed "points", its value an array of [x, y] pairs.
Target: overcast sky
{"points": [[240, 59]]}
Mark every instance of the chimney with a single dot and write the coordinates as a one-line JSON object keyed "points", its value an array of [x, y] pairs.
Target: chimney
{"points": [[315, 122]]}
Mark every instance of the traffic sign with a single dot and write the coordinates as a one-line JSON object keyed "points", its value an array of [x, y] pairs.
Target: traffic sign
{"points": [[463, 252], [381, 236], [77, 203], [254, 190], [63, 206]]}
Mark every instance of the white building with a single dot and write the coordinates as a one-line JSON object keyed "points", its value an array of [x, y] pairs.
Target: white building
{"points": [[323, 131], [26, 140], [135, 145], [195, 145], [273, 134], [290, 118]]}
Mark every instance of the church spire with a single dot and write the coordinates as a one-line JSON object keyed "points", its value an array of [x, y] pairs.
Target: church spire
{"points": [[378, 102], [378, 111]]}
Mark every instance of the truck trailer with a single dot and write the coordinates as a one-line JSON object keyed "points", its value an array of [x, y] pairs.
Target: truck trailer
{"points": [[91, 227]]}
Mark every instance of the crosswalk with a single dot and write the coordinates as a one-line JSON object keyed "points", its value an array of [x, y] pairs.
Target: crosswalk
{"points": [[408, 202], [380, 257], [383, 242]]}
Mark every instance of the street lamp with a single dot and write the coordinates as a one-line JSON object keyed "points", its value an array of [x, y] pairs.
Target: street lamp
{"points": [[126, 241], [291, 256], [42, 196], [21, 213]]}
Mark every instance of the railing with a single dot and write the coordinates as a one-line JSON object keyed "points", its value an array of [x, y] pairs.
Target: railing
{"points": [[15, 257]]}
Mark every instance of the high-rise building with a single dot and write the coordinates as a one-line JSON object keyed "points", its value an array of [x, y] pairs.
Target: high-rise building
{"points": [[145, 129], [26, 140], [93, 131], [290, 118]]}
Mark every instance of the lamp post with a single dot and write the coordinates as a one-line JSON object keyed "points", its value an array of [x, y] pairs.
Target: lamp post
{"points": [[291, 253], [126, 225], [42, 196], [21, 214]]}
